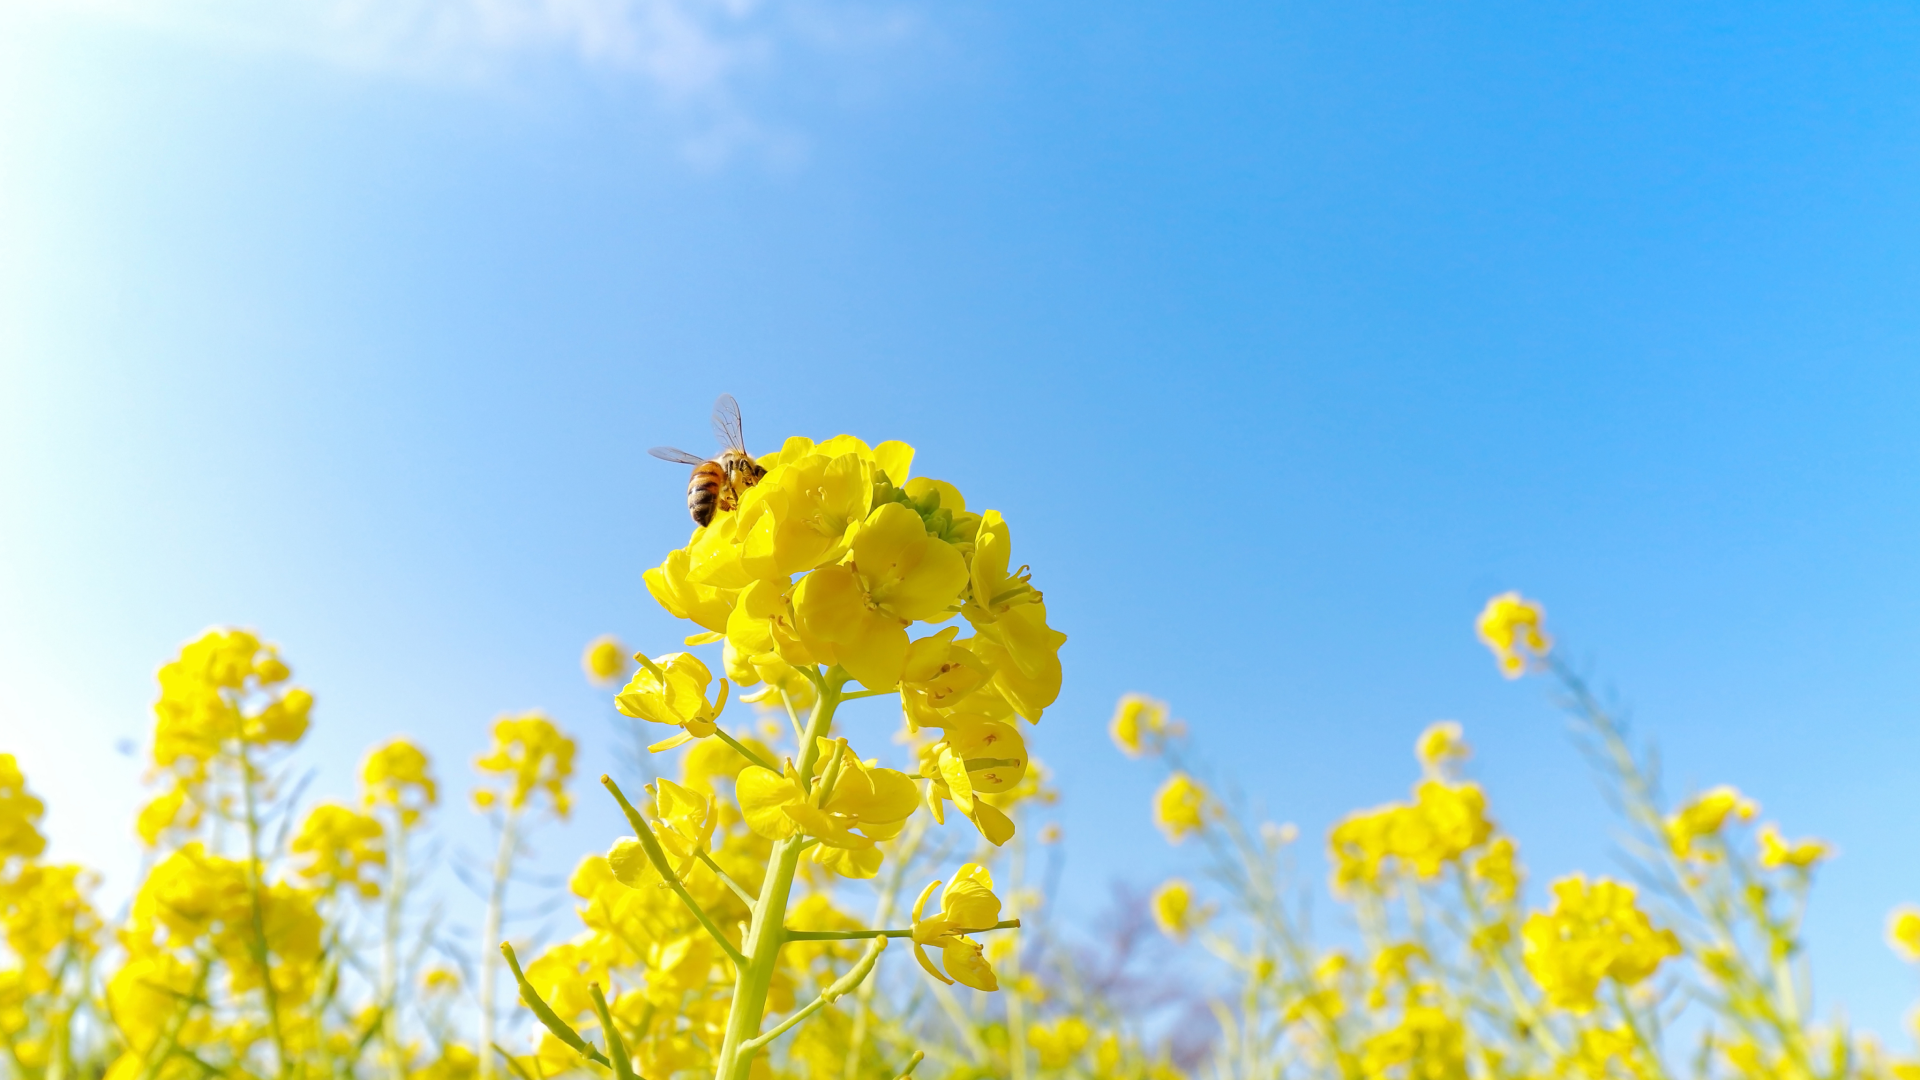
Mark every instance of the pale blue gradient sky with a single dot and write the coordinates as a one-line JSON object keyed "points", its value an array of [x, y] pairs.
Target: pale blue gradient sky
{"points": [[1283, 336]]}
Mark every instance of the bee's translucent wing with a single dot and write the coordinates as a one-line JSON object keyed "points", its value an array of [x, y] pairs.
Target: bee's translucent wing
{"points": [[678, 457], [726, 423]]}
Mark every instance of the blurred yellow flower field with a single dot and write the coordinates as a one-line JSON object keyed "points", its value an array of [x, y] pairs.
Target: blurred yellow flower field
{"points": [[273, 938]]}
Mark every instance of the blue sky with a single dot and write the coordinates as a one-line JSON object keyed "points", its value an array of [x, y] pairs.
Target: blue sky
{"points": [[1283, 336]]}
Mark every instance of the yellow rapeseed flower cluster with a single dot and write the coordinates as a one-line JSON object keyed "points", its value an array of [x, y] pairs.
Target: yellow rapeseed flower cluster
{"points": [[1903, 933], [1702, 818], [1442, 824], [1777, 851], [397, 775], [1138, 722], [342, 847], [605, 660], [836, 553], [1181, 807], [48, 927], [1593, 932], [1175, 911], [533, 758], [20, 813], [1512, 626], [224, 705]]}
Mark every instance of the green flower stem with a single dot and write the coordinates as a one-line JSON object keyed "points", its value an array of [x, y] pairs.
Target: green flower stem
{"points": [[793, 718], [1016, 1002], [725, 878], [912, 1064], [616, 1046], [658, 857], [841, 986], [547, 1017], [374, 1026], [1649, 1053], [517, 1069], [857, 935], [490, 930], [741, 749], [1501, 961], [261, 948], [962, 1024], [169, 1042], [390, 927], [1639, 798], [767, 932], [901, 859]]}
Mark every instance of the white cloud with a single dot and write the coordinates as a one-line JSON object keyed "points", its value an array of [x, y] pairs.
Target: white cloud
{"points": [[701, 60]]}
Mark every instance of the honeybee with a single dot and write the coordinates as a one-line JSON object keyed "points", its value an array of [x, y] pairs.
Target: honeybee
{"points": [[717, 482]]}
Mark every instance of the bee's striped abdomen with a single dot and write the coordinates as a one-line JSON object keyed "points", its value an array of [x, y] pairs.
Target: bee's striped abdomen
{"points": [[703, 491]]}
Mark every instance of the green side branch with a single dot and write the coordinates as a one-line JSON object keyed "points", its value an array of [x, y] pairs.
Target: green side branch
{"points": [[651, 843], [547, 1017]]}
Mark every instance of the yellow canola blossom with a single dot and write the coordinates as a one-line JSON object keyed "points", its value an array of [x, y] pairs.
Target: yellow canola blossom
{"points": [[1440, 746], [763, 642], [1009, 618], [1058, 1043], [942, 675], [194, 900], [851, 805], [534, 757], [605, 660], [455, 1062], [1511, 626], [977, 758], [143, 997], [1593, 932], [967, 906], [1136, 717], [1427, 1044], [1704, 817], [1174, 910], [1599, 1049], [205, 695], [673, 691], [684, 822], [1903, 933], [673, 587], [803, 513], [856, 614], [1497, 869], [834, 555], [398, 774], [341, 848], [164, 812], [1180, 807], [712, 760], [45, 907], [1777, 851], [1443, 823], [20, 814]]}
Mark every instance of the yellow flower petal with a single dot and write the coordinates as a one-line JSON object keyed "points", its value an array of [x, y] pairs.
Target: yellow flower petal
{"points": [[764, 796]]}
